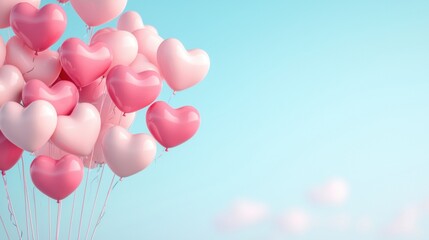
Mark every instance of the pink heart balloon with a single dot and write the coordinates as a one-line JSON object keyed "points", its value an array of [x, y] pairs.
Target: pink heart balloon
{"points": [[122, 44], [51, 150], [10, 154], [172, 127], [28, 128], [78, 132], [2, 51], [7, 5], [141, 64], [57, 178], [127, 154], [84, 64], [45, 66], [11, 84], [148, 42], [181, 69], [130, 21], [63, 95], [39, 29], [97, 12], [132, 91], [93, 91]]}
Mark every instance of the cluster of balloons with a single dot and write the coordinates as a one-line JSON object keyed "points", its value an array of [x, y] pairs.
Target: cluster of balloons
{"points": [[72, 107]]}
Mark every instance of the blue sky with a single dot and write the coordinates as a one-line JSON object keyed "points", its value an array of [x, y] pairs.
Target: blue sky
{"points": [[299, 92]]}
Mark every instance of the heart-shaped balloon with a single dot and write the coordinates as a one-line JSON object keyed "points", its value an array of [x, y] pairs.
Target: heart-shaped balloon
{"points": [[110, 114], [28, 128], [172, 127], [45, 66], [122, 44], [2, 51], [141, 64], [182, 69], [63, 95], [84, 64], [97, 12], [10, 154], [78, 132], [57, 178], [39, 29], [93, 91], [148, 42], [11, 84], [130, 21], [127, 154], [7, 5], [132, 91]]}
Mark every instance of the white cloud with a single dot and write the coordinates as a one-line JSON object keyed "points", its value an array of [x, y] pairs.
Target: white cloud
{"points": [[242, 213], [333, 192], [295, 221], [405, 224]]}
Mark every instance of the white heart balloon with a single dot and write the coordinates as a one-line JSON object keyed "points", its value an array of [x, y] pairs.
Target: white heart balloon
{"points": [[127, 154], [28, 128], [78, 132], [11, 84]]}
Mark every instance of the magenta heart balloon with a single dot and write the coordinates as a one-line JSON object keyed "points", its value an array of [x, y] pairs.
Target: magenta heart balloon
{"points": [[57, 178], [63, 95], [172, 127], [39, 29], [10, 154], [84, 64], [132, 91]]}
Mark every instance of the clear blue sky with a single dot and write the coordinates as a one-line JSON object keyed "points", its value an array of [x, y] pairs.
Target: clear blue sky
{"points": [[298, 92]]}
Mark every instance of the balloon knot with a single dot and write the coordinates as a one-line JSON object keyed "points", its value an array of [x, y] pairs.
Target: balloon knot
{"points": [[3, 173], [174, 93], [166, 149], [58, 201], [123, 115]]}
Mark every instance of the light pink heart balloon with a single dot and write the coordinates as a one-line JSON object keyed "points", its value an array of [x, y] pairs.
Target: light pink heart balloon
{"points": [[63, 95], [148, 42], [130, 21], [141, 64], [78, 132], [7, 5], [57, 178], [39, 29], [127, 154], [97, 12], [84, 64], [51, 150], [181, 69], [132, 91], [122, 44], [98, 157], [172, 127], [28, 128], [2, 51], [45, 66], [11, 84]]}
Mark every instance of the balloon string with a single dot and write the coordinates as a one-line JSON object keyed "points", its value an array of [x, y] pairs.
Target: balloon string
{"points": [[93, 205], [84, 194], [72, 213], [4, 227], [103, 210], [10, 207], [49, 217], [25, 199], [171, 96], [58, 220], [27, 202], [35, 212]]}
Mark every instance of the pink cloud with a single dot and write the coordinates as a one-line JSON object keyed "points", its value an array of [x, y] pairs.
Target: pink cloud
{"points": [[405, 224], [242, 213], [333, 192], [295, 221]]}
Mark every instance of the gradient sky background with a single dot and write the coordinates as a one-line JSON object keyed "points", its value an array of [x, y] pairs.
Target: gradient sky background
{"points": [[299, 92]]}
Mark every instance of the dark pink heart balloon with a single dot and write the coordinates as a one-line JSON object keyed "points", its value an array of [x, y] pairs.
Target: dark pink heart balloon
{"points": [[39, 29], [172, 127], [63, 95], [57, 178], [10, 153], [84, 64], [132, 91]]}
